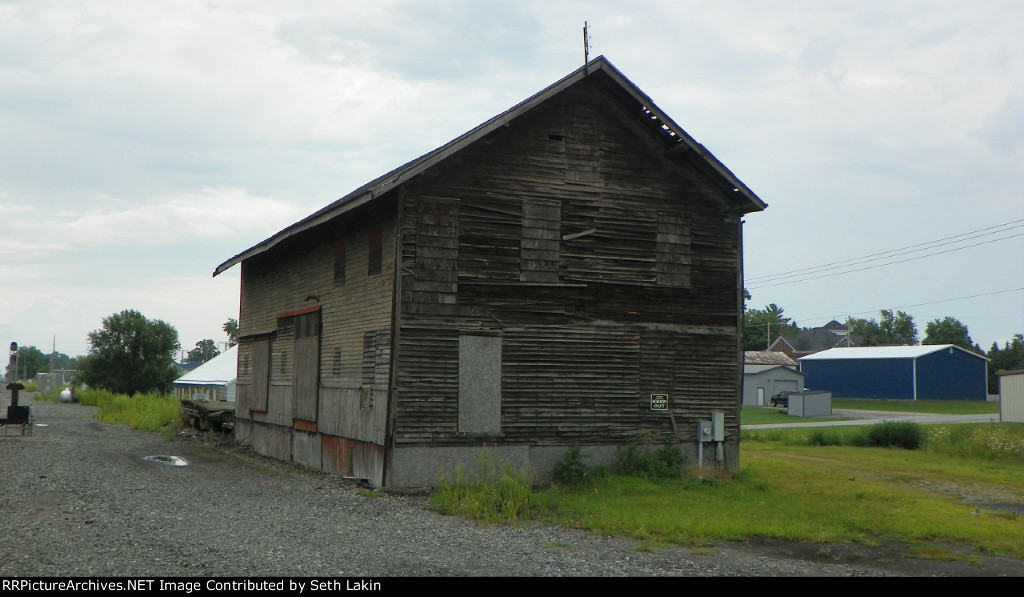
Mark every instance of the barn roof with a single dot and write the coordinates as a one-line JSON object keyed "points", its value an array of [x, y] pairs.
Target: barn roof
{"points": [[882, 352], [219, 370], [678, 144]]}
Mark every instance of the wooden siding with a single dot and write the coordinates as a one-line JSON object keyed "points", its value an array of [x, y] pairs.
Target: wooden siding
{"points": [[608, 269], [353, 413], [320, 341], [600, 258]]}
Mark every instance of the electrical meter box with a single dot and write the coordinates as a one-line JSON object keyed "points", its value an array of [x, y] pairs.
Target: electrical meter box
{"points": [[705, 431], [713, 430]]}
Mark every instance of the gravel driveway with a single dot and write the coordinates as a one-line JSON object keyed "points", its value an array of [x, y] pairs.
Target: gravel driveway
{"points": [[82, 499]]}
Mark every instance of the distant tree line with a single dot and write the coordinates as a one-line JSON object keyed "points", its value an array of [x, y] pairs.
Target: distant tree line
{"points": [[763, 326], [130, 354]]}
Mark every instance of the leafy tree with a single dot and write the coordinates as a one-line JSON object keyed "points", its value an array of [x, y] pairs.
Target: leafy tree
{"points": [[948, 330], [204, 351], [59, 360], [898, 328], [231, 329], [131, 354], [865, 328], [1009, 358], [31, 361], [895, 329], [761, 326]]}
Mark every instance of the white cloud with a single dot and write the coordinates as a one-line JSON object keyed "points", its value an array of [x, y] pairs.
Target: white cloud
{"points": [[154, 140], [194, 217]]}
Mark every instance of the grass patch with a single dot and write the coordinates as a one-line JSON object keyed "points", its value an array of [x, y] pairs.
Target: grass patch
{"points": [[944, 407], [846, 484], [817, 494], [648, 458], [493, 492], [763, 415], [997, 442], [150, 412]]}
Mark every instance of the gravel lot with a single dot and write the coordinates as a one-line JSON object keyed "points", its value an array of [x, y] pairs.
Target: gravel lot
{"points": [[81, 499]]}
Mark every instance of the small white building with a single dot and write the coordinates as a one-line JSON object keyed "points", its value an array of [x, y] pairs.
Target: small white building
{"points": [[213, 381], [1011, 396]]}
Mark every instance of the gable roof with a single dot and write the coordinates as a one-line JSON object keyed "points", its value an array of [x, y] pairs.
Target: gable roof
{"points": [[678, 144], [883, 352], [767, 357], [219, 370]]}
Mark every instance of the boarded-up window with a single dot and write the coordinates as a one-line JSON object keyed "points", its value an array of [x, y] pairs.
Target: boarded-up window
{"points": [[437, 250], [583, 150], [339, 262], [306, 377], [375, 357], [541, 237], [336, 364], [375, 246], [673, 250], [260, 374], [490, 238], [479, 384], [609, 243]]}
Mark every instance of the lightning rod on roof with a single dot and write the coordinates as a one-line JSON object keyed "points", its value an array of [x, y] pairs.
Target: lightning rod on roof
{"points": [[586, 46]]}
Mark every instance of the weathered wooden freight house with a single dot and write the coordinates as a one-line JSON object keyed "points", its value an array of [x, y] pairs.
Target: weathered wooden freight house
{"points": [[569, 271]]}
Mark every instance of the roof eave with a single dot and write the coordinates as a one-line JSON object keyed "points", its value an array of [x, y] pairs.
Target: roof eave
{"points": [[400, 175]]}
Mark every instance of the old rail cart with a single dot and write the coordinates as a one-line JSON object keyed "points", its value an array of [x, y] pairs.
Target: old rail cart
{"points": [[209, 416], [207, 393]]}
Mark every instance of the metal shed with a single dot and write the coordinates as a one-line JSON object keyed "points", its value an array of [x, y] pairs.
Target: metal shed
{"points": [[213, 381], [929, 372]]}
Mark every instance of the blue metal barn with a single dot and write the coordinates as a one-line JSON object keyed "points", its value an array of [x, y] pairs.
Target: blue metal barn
{"points": [[929, 372]]}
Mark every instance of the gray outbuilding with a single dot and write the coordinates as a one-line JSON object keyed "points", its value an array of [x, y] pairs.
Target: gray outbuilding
{"points": [[760, 382]]}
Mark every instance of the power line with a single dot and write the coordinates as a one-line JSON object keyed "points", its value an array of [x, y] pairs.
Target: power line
{"points": [[974, 234], [959, 298], [884, 264], [949, 300]]}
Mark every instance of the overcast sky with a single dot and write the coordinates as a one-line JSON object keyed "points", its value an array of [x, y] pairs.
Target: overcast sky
{"points": [[144, 143]]}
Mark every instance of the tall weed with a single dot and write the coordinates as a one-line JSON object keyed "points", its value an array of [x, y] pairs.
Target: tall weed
{"points": [[152, 411], [648, 458], [571, 470], [988, 441], [492, 493], [893, 434]]}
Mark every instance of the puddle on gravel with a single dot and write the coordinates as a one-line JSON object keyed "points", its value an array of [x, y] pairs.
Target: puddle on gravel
{"points": [[171, 460]]}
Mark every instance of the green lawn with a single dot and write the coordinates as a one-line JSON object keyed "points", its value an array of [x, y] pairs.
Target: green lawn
{"points": [[763, 415], [946, 407]]}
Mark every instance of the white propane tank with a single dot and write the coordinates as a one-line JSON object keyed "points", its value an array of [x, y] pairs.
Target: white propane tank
{"points": [[65, 395]]}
